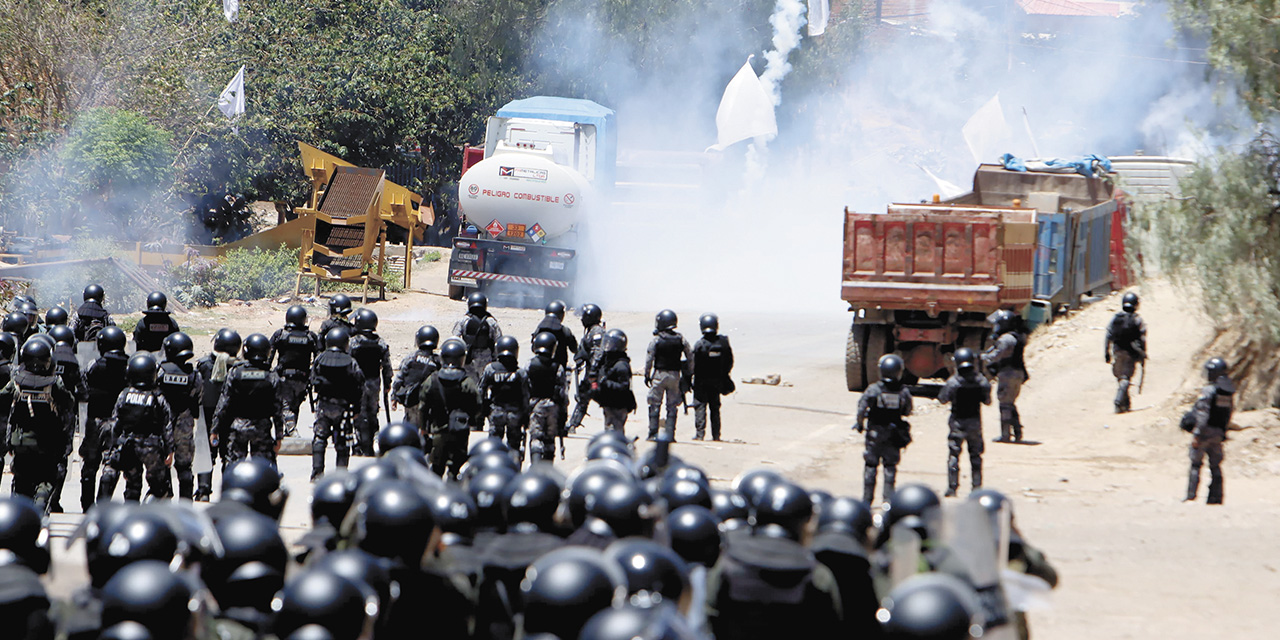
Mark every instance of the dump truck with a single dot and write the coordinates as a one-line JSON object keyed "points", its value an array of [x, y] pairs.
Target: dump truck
{"points": [[546, 162], [921, 279]]}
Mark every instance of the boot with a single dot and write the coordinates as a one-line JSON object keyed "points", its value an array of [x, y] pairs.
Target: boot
{"points": [[953, 476], [1215, 488], [654, 414], [1017, 426], [87, 494], [977, 475], [186, 482], [869, 485], [204, 486], [890, 476], [1122, 397], [1006, 422], [1193, 484]]}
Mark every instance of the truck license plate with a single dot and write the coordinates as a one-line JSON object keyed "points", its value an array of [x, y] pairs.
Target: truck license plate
{"points": [[462, 255], [556, 265]]}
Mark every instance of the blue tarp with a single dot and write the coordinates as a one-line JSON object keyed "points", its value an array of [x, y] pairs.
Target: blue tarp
{"points": [[1083, 165], [574, 110]]}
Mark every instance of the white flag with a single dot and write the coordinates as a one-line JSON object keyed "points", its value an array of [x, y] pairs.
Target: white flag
{"points": [[745, 112], [986, 131], [946, 189], [231, 9], [231, 102], [819, 13]]}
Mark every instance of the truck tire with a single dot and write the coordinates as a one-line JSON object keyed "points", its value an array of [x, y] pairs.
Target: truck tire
{"points": [[456, 291], [855, 372], [877, 346]]}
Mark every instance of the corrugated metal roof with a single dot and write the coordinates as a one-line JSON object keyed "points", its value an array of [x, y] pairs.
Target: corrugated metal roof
{"points": [[1080, 8]]}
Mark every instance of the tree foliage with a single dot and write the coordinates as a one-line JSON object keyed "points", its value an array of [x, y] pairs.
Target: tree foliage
{"points": [[1243, 37]]}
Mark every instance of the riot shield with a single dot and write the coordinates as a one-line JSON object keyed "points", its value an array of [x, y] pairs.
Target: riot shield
{"points": [[204, 456], [966, 529], [904, 557]]}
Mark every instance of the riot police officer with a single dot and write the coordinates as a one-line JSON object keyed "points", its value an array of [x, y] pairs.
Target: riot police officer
{"points": [[8, 348], [504, 389], [613, 391], [374, 357], [1005, 359], [712, 370], [547, 398], [36, 402], [586, 361], [67, 366], [479, 332], [414, 369], [16, 324], [293, 346], [213, 369], [966, 391], [182, 387], [56, 317], [339, 309], [143, 428], [337, 380], [105, 378], [24, 603], [666, 372], [553, 323], [29, 311], [1125, 347], [250, 405], [1207, 422], [91, 317], [884, 405], [451, 407], [156, 323]]}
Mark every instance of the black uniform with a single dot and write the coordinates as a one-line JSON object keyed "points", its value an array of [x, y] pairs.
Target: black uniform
{"points": [[333, 322], [183, 389], [966, 392], [505, 391], [38, 438], [1127, 347], [506, 559], [338, 382], [614, 393], [480, 333], [712, 366], [105, 379], [1209, 419], [143, 427], [67, 366], [1005, 359], [91, 318], [451, 406], [414, 370], [247, 411], [548, 402], [152, 329], [213, 370], [666, 371], [566, 342], [374, 357], [845, 556], [762, 586], [6, 370], [292, 348], [586, 364], [883, 406], [24, 604]]}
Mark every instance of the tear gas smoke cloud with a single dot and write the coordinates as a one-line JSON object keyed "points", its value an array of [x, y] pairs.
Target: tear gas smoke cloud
{"points": [[699, 236], [787, 19]]}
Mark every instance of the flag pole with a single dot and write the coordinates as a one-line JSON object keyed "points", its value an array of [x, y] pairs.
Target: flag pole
{"points": [[191, 137]]}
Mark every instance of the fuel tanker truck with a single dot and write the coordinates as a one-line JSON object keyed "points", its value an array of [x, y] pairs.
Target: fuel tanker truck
{"points": [[546, 163]]}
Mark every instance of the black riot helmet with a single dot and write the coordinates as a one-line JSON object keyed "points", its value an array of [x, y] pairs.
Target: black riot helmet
{"points": [[783, 512], [295, 317], [225, 341], [589, 481], [94, 292], [257, 350], [1215, 368], [178, 347], [754, 484], [654, 572], [148, 593], [337, 339], [695, 534], [1003, 321], [453, 353], [565, 587], [487, 444], [8, 345], [138, 535], [62, 334], [321, 597], [37, 357], [591, 315], [15, 323], [609, 435], [427, 337], [29, 310], [394, 521], [731, 509], [965, 359], [615, 341], [111, 339], [332, 497], [366, 320], [157, 301], [455, 513], [477, 304], [56, 316], [22, 532], [360, 567], [993, 501], [910, 500], [255, 482], [544, 344], [492, 459], [678, 492], [934, 606], [625, 506], [531, 500], [486, 489], [890, 368], [846, 515], [339, 305], [609, 450], [141, 371], [507, 347], [1130, 302], [666, 319], [398, 434], [709, 324], [252, 566], [556, 308]]}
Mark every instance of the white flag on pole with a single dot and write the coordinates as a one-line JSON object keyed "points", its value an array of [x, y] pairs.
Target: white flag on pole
{"points": [[231, 9], [231, 102], [819, 13], [986, 131], [745, 112]]}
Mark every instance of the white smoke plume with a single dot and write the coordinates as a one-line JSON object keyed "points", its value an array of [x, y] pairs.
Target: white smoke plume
{"points": [[787, 20]]}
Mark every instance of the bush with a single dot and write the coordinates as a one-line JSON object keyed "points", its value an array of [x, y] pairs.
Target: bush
{"points": [[241, 274]]}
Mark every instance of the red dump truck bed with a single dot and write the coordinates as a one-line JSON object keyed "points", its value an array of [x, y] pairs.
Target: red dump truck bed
{"points": [[939, 257]]}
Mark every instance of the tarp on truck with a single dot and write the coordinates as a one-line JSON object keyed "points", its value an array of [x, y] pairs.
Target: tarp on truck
{"points": [[573, 110]]}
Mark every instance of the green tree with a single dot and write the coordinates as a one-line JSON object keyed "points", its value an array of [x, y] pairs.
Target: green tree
{"points": [[1243, 37], [118, 167]]}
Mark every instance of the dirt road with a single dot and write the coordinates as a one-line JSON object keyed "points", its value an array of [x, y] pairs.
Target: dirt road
{"points": [[1101, 495]]}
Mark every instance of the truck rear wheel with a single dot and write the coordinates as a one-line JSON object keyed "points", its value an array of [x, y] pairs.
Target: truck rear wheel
{"points": [[877, 346], [855, 373], [456, 291]]}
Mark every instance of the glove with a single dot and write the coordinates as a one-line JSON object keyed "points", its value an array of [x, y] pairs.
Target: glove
{"points": [[859, 427], [1107, 357], [595, 386], [648, 382]]}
